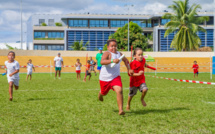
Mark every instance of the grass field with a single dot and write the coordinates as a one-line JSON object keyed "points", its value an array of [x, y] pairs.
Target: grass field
{"points": [[45, 105]]}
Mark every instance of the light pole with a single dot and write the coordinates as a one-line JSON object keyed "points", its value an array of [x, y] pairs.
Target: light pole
{"points": [[128, 22], [21, 23], [214, 30]]}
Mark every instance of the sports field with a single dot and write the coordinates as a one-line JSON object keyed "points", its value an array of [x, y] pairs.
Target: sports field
{"points": [[45, 105]]}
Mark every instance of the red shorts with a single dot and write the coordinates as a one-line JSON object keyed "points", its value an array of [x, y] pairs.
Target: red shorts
{"points": [[78, 71], [106, 86]]}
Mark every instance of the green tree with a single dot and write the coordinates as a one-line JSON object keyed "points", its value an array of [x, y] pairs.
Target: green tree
{"points": [[136, 38], [79, 46], [185, 20]]}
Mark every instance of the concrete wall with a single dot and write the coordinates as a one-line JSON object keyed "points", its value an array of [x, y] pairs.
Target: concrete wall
{"points": [[93, 53]]}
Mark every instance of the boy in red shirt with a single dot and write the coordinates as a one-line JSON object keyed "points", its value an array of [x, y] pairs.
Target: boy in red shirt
{"points": [[195, 69], [137, 78]]}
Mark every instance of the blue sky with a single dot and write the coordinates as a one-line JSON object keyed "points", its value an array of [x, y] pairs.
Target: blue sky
{"points": [[10, 11]]}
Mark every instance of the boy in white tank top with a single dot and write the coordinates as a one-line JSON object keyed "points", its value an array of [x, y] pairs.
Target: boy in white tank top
{"points": [[110, 77]]}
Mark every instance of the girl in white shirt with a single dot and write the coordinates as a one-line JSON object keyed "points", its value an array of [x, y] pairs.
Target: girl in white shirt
{"points": [[78, 68], [12, 71], [30, 68]]}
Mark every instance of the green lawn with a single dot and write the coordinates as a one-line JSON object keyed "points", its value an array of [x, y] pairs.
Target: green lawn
{"points": [[45, 105]]}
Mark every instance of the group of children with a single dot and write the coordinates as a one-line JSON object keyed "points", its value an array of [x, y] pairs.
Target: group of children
{"points": [[109, 77], [89, 67]]}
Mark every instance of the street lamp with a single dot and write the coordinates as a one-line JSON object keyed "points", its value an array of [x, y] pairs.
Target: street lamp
{"points": [[128, 22], [21, 23]]}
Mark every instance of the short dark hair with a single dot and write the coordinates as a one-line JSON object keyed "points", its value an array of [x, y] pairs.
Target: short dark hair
{"points": [[12, 53], [111, 40], [135, 50]]}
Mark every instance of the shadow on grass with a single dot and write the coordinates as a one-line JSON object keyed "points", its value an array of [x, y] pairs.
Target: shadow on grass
{"points": [[162, 111], [38, 99]]}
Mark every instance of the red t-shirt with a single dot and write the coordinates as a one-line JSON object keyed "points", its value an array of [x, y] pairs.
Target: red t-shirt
{"points": [[137, 66], [195, 68]]}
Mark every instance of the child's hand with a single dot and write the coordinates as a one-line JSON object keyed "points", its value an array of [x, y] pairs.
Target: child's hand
{"points": [[141, 72], [130, 72], [116, 61], [11, 75]]}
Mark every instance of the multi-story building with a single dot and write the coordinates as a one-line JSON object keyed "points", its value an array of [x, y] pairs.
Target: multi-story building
{"points": [[96, 28]]}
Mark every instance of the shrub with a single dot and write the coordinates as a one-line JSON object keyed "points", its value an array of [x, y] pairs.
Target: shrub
{"points": [[58, 24], [43, 24]]}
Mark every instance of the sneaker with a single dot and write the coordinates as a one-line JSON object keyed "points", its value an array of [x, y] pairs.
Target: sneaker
{"points": [[59, 78]]}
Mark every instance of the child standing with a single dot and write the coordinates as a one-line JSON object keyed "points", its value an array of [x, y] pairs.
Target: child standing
{"points": [[30, 68], [88, 72], [195, 69], [92, 65], [12, 71], [78, 68], [110, 77], [137, 78]]}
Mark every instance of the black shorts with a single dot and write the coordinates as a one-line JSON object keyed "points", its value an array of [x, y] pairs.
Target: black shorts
{"points": [[88, 72]]}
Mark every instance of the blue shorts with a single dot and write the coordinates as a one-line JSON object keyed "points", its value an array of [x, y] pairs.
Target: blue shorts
{"points": [[99, 68]]}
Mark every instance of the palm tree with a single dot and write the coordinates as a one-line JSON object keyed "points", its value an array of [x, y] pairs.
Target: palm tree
{"points": [[185, 20], [79, 46]]}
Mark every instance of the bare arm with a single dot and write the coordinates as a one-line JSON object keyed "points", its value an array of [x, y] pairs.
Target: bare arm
{"points": [[150, 67], [62, 63], [54, 63], [137, 74], [106, 58], [14, 73]]}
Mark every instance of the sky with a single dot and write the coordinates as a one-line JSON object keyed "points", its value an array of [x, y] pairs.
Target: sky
{"points": [[10, 22]]}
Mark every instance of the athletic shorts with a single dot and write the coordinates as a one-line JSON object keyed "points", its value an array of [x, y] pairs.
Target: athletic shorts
{"points": [[92, 68], [133, 90], [196, 72], [106, 86], [78, 71], [29, 73], [15, 81], [88, 72], [99, 68], [57, 68]]}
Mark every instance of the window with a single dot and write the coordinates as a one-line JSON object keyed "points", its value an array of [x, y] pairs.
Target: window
{"points": [[48, 47], [98, 23], [41, 21], [39, 34], [118, 23], [141, 23], [155, 22], [51, 22], [78, 23], [55, 34], [164, 21], [149, 23]]}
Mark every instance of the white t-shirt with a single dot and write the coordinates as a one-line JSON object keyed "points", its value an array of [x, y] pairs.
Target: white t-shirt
{"points": [[107, 73], [78, 67], [12, 67], [58, 61], [30, 67]]}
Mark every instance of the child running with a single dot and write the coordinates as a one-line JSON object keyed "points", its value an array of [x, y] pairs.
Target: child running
{"points": [[30, 68], [195, 69], [110, 77], [12, 71], [137, 78], [78, 68], [88, 72]]}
